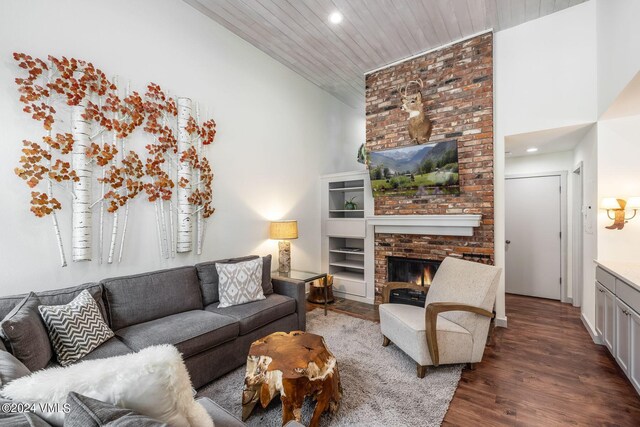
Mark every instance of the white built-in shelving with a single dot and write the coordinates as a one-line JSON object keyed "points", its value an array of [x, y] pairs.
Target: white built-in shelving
{"points": [[347, 241]]}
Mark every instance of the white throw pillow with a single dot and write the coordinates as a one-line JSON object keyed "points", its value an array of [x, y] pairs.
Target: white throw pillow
{"points": [[152, 382], [240, 282]]}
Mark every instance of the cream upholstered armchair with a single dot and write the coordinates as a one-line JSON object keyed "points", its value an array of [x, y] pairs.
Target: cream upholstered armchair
{"points": [[454, 324]]}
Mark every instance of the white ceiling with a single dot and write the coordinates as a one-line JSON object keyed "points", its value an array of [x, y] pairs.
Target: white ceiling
{"points": [[372, 34], [546, 141]]}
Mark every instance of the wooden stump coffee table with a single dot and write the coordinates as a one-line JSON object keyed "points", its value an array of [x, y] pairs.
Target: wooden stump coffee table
{"points": [[294, 365]]}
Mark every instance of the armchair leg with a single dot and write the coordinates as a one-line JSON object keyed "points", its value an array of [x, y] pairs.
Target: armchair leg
{"points": [[422, 371], [385, 341], [471, 366], [490, 335]]}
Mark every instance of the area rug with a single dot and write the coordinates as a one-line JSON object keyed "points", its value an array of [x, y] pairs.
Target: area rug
{"points": [[380, 386]]}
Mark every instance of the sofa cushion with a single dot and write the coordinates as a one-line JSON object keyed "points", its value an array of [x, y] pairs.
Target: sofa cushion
{"points": [[87, 412], [57, 297], [110, 348], [220, 416], [267, 286], [208, 275], [11, 368], [254, 315], [143, 297], [27, 335], [190, 332], [10, 418]]}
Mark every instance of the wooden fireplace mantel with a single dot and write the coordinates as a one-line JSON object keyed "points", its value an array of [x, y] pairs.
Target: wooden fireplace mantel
{"points": [[439, 225]]}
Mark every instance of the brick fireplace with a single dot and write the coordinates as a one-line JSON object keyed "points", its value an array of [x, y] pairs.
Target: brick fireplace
{"points": [[459, 97]]}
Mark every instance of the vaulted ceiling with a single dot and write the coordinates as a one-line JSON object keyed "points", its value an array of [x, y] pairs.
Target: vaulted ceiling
{"points": [[373, 33]]}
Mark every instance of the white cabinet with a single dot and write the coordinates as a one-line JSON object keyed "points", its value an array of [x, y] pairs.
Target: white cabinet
{"points": [[634, 349], [618, 321], [600, 309], [606, 316], [609, 321], [623, 335], [347, 227]]}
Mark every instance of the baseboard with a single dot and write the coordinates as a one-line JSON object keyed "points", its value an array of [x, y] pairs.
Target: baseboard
{"points": [[501, 322], [594, 336]]}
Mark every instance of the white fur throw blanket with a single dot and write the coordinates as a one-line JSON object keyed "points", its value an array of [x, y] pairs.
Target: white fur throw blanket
{"points": [[152, 382]]}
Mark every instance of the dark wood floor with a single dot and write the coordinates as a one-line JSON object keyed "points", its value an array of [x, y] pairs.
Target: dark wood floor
{"points": [[543, 370], [350, 307]]}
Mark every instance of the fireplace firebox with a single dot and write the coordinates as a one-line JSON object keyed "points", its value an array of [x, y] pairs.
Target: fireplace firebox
{"points": [[411, 270]]}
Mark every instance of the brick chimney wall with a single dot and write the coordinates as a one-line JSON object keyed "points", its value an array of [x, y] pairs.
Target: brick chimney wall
{"points": [[458, 93]]}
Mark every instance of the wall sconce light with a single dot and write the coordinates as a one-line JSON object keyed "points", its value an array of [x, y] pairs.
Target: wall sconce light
{"points": [[620, 208]]}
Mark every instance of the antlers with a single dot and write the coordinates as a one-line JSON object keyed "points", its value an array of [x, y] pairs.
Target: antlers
{"points": [[403, 94]]}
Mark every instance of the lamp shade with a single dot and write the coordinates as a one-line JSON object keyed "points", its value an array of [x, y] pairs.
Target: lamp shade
{"points": [[633, 203], [610, 203], [283, 230]]}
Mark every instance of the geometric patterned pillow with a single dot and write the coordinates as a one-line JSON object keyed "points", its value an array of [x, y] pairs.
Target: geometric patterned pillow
{"points": [[75, 329], [240, 283]]}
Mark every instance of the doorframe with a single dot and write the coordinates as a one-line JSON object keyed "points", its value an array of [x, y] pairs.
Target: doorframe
{"points": [[564, 286], [577, 238]]}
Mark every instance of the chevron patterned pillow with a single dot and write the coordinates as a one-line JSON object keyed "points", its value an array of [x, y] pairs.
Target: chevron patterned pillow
{"points": [[75, 329]]}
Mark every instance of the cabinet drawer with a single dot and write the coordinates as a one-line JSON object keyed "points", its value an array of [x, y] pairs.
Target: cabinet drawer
{"points": [[352, 287], [628, 295], [607, 279], [338, 227]]}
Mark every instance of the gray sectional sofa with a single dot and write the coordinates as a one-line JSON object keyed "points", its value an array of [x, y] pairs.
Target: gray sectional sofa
{"points": [[179, 307]]}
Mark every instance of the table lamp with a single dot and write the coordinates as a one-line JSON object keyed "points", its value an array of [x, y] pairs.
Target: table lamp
{"points": [[284, 231]]}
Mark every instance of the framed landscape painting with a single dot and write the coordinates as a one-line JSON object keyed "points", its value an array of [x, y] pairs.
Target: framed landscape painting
{"points": [[417, 170]]}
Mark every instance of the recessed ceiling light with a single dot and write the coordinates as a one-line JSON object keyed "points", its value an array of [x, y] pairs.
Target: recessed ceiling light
{"points": [[335, 17], [532, 150]]}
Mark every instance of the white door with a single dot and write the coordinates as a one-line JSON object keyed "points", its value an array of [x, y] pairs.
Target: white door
{"points": [[533, 254]]}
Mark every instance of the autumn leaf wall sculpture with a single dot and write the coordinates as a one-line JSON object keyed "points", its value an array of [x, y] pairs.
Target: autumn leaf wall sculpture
{"points": [[93, 148]]}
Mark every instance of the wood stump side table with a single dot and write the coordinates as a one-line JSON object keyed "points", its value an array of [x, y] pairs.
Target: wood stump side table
{"points": [[317, 292], [294, 365]]}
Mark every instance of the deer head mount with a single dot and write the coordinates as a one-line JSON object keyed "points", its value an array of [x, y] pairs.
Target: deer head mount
{"points": [[419, 124]]}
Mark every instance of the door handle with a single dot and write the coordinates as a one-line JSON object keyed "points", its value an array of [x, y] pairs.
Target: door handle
{"points": [[508, 242]]}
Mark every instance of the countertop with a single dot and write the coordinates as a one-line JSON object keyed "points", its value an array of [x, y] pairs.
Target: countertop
{"points": [[629, 272]]}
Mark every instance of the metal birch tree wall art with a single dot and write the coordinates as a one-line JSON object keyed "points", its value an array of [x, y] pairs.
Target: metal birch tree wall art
{"points": [[88, 122]]}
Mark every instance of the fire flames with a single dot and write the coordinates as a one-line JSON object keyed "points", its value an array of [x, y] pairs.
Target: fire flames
{"points": [[423, 278]]}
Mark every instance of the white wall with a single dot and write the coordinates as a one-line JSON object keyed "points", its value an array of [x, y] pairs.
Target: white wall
{"points": [[618, 176], [546, 72], [586, 152], [618, 47], [277, 133], [545, 77], [551, 162]]}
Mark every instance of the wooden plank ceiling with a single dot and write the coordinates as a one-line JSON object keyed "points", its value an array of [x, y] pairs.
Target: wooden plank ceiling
{"points": [[372, 34]]}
